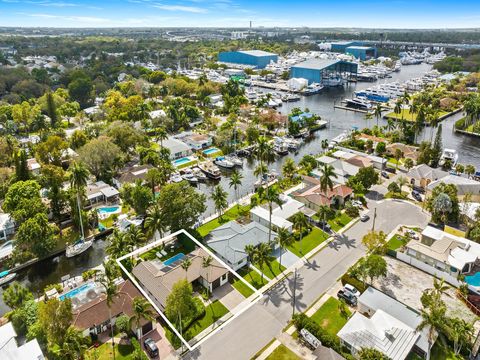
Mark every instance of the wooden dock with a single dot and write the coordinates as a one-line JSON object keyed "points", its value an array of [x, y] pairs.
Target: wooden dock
{"points": [[351, 109]]}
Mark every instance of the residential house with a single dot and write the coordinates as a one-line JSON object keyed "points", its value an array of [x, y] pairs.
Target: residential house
{"points": [[178, 148], [158, 278], [34, 166], [7, 226], [313, 197], [131, 175], [91, 312], [229, 240], [408, 151], [101, 192], [422, 175], [11, 350], [360, 161], [448, 253], [384, 324], [375, 139], [198, 141], [326, 353], [378, 162], [465, 186], [280, 214], [342, 169]]}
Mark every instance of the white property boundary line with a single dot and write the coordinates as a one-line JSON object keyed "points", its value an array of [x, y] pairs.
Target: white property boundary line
{"points": [[150, 246]]}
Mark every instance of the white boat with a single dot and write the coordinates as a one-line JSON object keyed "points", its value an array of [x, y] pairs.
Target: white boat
{"points": [[359, 103], [209, 169], [450, 155], [6, 276], [235, 160], [313, 88], [223, 162], [333, 81], [190, 177], [199, 174], [176, 178], [78, 247], [280, 149], [6, 249], [292, 144]]}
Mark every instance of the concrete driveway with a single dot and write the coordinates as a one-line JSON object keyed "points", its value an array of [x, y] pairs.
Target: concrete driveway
{"points": [[228, 296], [288, 258], [165, 350], [253, 329]]}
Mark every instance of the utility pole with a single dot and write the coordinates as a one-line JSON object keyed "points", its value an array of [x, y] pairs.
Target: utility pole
{"points": [[294, 291], [374, 218]]}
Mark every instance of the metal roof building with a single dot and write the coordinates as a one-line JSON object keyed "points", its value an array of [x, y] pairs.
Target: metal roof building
{"points": [[341, 46], [315, 70], [256, 58], [362, 52]]}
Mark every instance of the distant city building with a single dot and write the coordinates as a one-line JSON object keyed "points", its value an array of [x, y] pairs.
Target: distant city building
{"points": [[256, 58]]}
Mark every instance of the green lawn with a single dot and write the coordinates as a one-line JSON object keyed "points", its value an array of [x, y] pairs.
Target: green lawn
{"points": [[213, 312], [339, 221], [407, 115], [229, 215], [396, 242], [253, 277], [241, 287], [442, 352], [282, 353], [309, 242], [104, 352], [271, 269], [329, 316]]}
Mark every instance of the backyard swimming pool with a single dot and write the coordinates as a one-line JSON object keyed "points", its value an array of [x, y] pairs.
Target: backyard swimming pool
{"points": [[473, 280], [74, 292], [182, 161], [210, 151], [173, 259], [108, 209]]}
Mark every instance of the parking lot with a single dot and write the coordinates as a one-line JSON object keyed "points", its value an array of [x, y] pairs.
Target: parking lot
{"points": [[406, 284]]}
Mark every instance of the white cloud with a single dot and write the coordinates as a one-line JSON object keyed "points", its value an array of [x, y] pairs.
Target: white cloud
{"points": [[191, 9]]}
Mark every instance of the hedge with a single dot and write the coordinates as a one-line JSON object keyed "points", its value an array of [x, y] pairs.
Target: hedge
{"points": [[359, 285]]}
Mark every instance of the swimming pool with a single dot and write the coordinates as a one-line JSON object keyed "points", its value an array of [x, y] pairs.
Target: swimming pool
{"points": [[74, 292], [473, 280], [181, 161], [173, 259], [108, 209], [210, 151]]}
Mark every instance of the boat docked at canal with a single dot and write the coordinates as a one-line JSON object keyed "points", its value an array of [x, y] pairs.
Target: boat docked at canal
{"points": [[223, 162], [449, 155], [6, 276], [235, 160], [359, 103], [210, 169], [176, 178], [78, 247], [280, 149], [190, 177], [313, 88], [199, 174]]}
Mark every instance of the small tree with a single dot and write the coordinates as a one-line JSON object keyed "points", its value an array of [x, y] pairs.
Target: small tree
{"points": [[408, 163], [180, 302], [375, 242], [219, 197]]}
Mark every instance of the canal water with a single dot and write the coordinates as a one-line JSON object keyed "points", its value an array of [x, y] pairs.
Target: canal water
{"points": [[50, 271]]}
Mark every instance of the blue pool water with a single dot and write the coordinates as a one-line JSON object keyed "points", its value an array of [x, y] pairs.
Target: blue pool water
{"points": [[210, 151], [70, 294], [108, 209], [473, 280], [181, 161], [173, 259]]}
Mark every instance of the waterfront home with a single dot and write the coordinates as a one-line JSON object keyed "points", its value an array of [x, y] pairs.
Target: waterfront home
{"points": [[131, 175], [341, 168], [198, 141], [100, 192], [7, 226], [313, 197], [384, 324], [422, 175], [440, 250], [280, 214], [229, 240], [374, 139], [11, 350], [378, 162], [360, 161], [178, 148], [91, 312], [408, 151], [158, 277], [465, 186]]}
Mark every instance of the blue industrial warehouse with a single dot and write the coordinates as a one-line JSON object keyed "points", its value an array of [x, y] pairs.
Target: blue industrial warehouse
{"points": [[316, 70], [256, 58], [341, 46], [362, 52]]}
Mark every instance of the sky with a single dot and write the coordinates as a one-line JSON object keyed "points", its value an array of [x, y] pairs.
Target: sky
{"points": [[419, 14]]}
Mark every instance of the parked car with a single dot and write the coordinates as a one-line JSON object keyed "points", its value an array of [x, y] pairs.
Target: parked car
{"points": [[151, 347], [364, 217], [416, 195], [352, 290], [349, 298], [325, 226], [412, 234], [385, 174], [357, 203]]}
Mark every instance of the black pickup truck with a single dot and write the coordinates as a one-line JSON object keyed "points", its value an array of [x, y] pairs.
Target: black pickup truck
{"points": [[349, 298]]}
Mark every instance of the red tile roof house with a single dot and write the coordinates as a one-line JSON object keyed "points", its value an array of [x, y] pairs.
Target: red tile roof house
{"points": [[311, 195], [93, 317]]}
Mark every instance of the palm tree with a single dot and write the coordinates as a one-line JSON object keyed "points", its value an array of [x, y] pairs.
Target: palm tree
{"points": [[300, 223], [264, 151], [432, 318], [272, 196], [469, 170], [397, 155], [460, 332], [284, 240], [154, 220], [110, 291], [260, 170], [378, 112], [326, 182], [236, 182], [402, 181], [263, 256], [74, 345], [161, 134], [439, 287], [325, 213], [119, 244], [186, 263], [141, 310], [289, 168], [78, 180], [136, 236], [206, 262], [251, 251], [398, 108], [219, 197]]}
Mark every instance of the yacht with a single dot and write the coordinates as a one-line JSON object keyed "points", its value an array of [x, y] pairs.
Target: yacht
{"points": [[313, 88], [291, 97], [332, 81], [292, 144], [6, 276], [265, 180], [78, 247], [359, 103], [190, 177], [373, 95], [176, 178], [280, 149], [235, 160], [199, 174], [223, 162], [451, 155], [210, 169]]}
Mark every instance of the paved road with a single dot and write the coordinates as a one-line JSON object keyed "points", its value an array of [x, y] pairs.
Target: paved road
{"points": [[266, 319]]}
